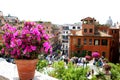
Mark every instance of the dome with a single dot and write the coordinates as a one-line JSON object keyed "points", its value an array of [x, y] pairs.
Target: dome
{"points": [[109, 21]]}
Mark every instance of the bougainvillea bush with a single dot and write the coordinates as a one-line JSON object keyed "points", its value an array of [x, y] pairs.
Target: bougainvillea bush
{"points": [[26, 43]]}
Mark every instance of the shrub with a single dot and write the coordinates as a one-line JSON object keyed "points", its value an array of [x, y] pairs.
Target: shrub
{"points": [[41, 64], [115, 71], [68, 72]]}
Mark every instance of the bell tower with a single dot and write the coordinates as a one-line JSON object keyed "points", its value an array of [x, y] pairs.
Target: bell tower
{"points": [[88, 26]]}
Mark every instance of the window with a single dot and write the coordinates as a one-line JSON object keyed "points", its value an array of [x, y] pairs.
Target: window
{"points": [[73, 27], [85, 30], [66, 47], [63, 46], [104, 42], [65, 37], [85, 22], [79, 41], [85, 41], [91, 21], [67, 28], [113, 31], [96, 42], [104, 31], [66, 51], [90, 30], [78, 27], [63, 52], [66, 32], [74, 41], [64, 41], [90, 41]]}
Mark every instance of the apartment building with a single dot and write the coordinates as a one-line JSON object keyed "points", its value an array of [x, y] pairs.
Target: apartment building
{"points": [[94, 38], [65, 38]]}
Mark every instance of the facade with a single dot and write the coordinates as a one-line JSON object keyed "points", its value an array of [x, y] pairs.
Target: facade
{"points": [[114, 50], [94, 38], [48, 27], [56, 40], [2, 20], [65, 39], [65, 32], [13, 20]]}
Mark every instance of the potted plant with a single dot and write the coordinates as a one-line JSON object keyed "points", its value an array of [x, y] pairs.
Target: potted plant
{"points": [[24, 46]]}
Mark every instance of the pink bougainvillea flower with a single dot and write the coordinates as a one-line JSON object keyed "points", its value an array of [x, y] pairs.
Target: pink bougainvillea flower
{"points": [[39, 27], [18, 52], [46, 46], [12, 29], [27, 50], [35, 31], [7, 45], [51, 50], [12, 44], [45, 36], [33, 47], [43, 31], [15, 34], [33, 23], [38, 38], [27, 42], [25, 31], [19, 42], [14, 51], [24, 51], [3, 51], [23, 46]]}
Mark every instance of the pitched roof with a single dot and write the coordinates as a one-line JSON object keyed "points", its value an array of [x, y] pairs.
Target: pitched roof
{"points": [[88, 18], [79, 33]]}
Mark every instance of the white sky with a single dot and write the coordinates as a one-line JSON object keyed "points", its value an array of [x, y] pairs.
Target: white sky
{"points": [[62, 11]]}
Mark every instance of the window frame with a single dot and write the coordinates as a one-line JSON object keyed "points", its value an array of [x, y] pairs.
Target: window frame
{"points": [[85, 30]]}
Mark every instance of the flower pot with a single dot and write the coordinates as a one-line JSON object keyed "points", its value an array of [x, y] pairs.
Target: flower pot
{"points": [[26, 68]]}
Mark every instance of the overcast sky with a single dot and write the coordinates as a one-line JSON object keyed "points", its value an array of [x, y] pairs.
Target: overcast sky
{"points": [[62, 11]]}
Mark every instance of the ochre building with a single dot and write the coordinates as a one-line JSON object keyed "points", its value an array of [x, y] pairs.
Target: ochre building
{"points": [[94, 37]]}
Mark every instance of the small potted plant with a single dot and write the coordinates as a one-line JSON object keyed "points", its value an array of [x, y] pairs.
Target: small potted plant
{"points": [[25, 45]]}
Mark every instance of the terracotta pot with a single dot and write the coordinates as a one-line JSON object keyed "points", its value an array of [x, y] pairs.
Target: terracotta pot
{"points": [[26, 68]]}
